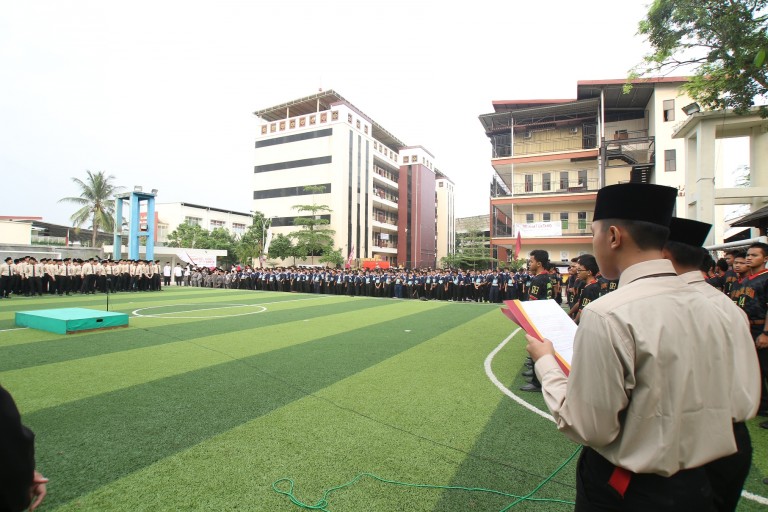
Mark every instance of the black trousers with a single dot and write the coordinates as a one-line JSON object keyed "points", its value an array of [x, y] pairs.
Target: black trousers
{"points": [[728, 474], [5, 286], [685, 491]]}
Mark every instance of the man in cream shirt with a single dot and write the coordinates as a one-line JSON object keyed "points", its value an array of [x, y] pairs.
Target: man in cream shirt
{"points": [[684, 249], [650, 392]]}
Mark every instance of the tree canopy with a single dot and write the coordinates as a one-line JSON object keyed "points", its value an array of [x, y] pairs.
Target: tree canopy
{"points": [[313, 238], [96, 202], [723, 42]]}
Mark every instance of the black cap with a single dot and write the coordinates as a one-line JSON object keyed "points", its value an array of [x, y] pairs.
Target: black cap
{"points": [[688, 231], [636, 201]]}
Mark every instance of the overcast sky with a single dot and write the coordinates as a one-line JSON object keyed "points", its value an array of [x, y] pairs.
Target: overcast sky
{"points": [[162, 93]]}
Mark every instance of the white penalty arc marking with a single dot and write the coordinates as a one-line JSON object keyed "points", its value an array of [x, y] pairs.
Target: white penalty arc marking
{"points": [[489, 372], [172, 314], [262, 308], [503, 388]]}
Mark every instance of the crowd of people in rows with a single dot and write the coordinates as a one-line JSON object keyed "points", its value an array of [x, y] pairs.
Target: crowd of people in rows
{"points": [[669, 360]]}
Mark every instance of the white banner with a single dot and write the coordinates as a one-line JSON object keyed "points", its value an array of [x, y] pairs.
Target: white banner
{"points": [[539, 229], [198, 258], [384, 236]]}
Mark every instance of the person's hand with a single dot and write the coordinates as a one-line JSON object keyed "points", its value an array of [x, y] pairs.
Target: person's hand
{"points": [[37, 491], [762, 341], [538, 348]]}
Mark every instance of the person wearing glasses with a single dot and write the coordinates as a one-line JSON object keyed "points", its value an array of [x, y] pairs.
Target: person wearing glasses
{"points": [[587, 270]]}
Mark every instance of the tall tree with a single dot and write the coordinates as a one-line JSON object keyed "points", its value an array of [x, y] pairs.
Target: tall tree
{"points": [[281, 247], [250, 245], [96, 201], [723, 42], [313, 239], [189, 235], [472, 249]]}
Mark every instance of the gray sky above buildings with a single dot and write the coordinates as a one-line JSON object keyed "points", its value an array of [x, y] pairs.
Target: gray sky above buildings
{"points": [[161, 94]]}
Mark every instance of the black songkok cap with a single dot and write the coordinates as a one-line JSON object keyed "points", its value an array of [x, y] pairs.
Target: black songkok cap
{"points": [[688, 231], [636, 201]]}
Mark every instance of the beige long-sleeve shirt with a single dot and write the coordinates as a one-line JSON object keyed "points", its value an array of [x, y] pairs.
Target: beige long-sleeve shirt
{"points": [[653, 375]]}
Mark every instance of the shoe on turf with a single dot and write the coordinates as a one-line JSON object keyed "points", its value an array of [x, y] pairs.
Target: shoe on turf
{"points": [[531, 387], [528, 373]]}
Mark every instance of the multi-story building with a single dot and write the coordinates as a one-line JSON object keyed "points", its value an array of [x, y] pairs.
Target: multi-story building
{"points": [[168, 216], [445, 216], [550, 158], [380, 193]]}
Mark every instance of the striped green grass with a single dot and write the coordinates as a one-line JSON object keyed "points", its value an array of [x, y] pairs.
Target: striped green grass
{"points": [[221, 393]]}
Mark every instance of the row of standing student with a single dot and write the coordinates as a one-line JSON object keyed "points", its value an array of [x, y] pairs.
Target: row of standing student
{"points": [[448, 285], [27, 277]]}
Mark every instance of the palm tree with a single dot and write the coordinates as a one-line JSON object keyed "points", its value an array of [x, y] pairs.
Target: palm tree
{"points": [[96, 201]]}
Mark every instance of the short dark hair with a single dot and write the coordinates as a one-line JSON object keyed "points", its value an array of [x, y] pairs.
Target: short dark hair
{"points": [[590, 263], [687, 255], [760, 245], [739, 253], [722, 264], [707, 263], [541, 256], [646, 235], [732, 252]]}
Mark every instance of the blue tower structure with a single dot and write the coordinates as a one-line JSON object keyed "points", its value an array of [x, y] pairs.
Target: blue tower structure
{"points": [[134, 227]]}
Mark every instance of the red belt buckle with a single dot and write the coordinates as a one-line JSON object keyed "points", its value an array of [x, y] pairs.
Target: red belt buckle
{"points": [[620, 480]]}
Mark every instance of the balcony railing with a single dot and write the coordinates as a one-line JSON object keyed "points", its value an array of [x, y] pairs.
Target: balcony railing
{"points": [[629, 147], [391, 176], [555, 187]]}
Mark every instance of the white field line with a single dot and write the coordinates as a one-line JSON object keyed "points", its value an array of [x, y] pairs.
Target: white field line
{"points": [[159, 315], [489, 372], [14, 329], [503, 388]]}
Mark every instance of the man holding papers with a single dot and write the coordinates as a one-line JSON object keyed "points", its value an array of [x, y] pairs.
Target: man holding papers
{"points": [[650, 390]]}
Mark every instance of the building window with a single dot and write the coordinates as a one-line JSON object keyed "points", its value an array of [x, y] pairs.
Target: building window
{"points": [[546, 181], [583, 179], [238, 228], [529, 218], [217, 224], [441, 184], [564, 220], [582, 221], [546, 217], [564, 180], [670, 160], [669, 110], [193, 221], [529, 182]]}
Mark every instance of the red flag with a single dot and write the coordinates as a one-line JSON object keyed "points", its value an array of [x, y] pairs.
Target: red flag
{"points": [[349, 258], [518, 245]]}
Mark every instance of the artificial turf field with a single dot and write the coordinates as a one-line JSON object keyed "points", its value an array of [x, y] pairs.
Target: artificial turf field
{"points": [[212, 396]]}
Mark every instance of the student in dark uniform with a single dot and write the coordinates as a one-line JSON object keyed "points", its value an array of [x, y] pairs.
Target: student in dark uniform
{"points": [[740, 270], [539, 289], [21, 487], [587, 271], [751, 295], [730, 277]]}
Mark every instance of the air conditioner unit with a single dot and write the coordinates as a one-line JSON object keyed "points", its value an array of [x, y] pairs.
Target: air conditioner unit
{"points": [[527, 135], [573, 129]]}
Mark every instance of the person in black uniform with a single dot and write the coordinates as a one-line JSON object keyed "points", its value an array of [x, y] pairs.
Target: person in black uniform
{"points": [[21, 487], [539, 289], [587, 270], [751, 295], [730, 277]]}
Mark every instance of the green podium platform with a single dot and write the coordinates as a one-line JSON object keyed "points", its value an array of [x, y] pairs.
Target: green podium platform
{"points": [[70, 320]]}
